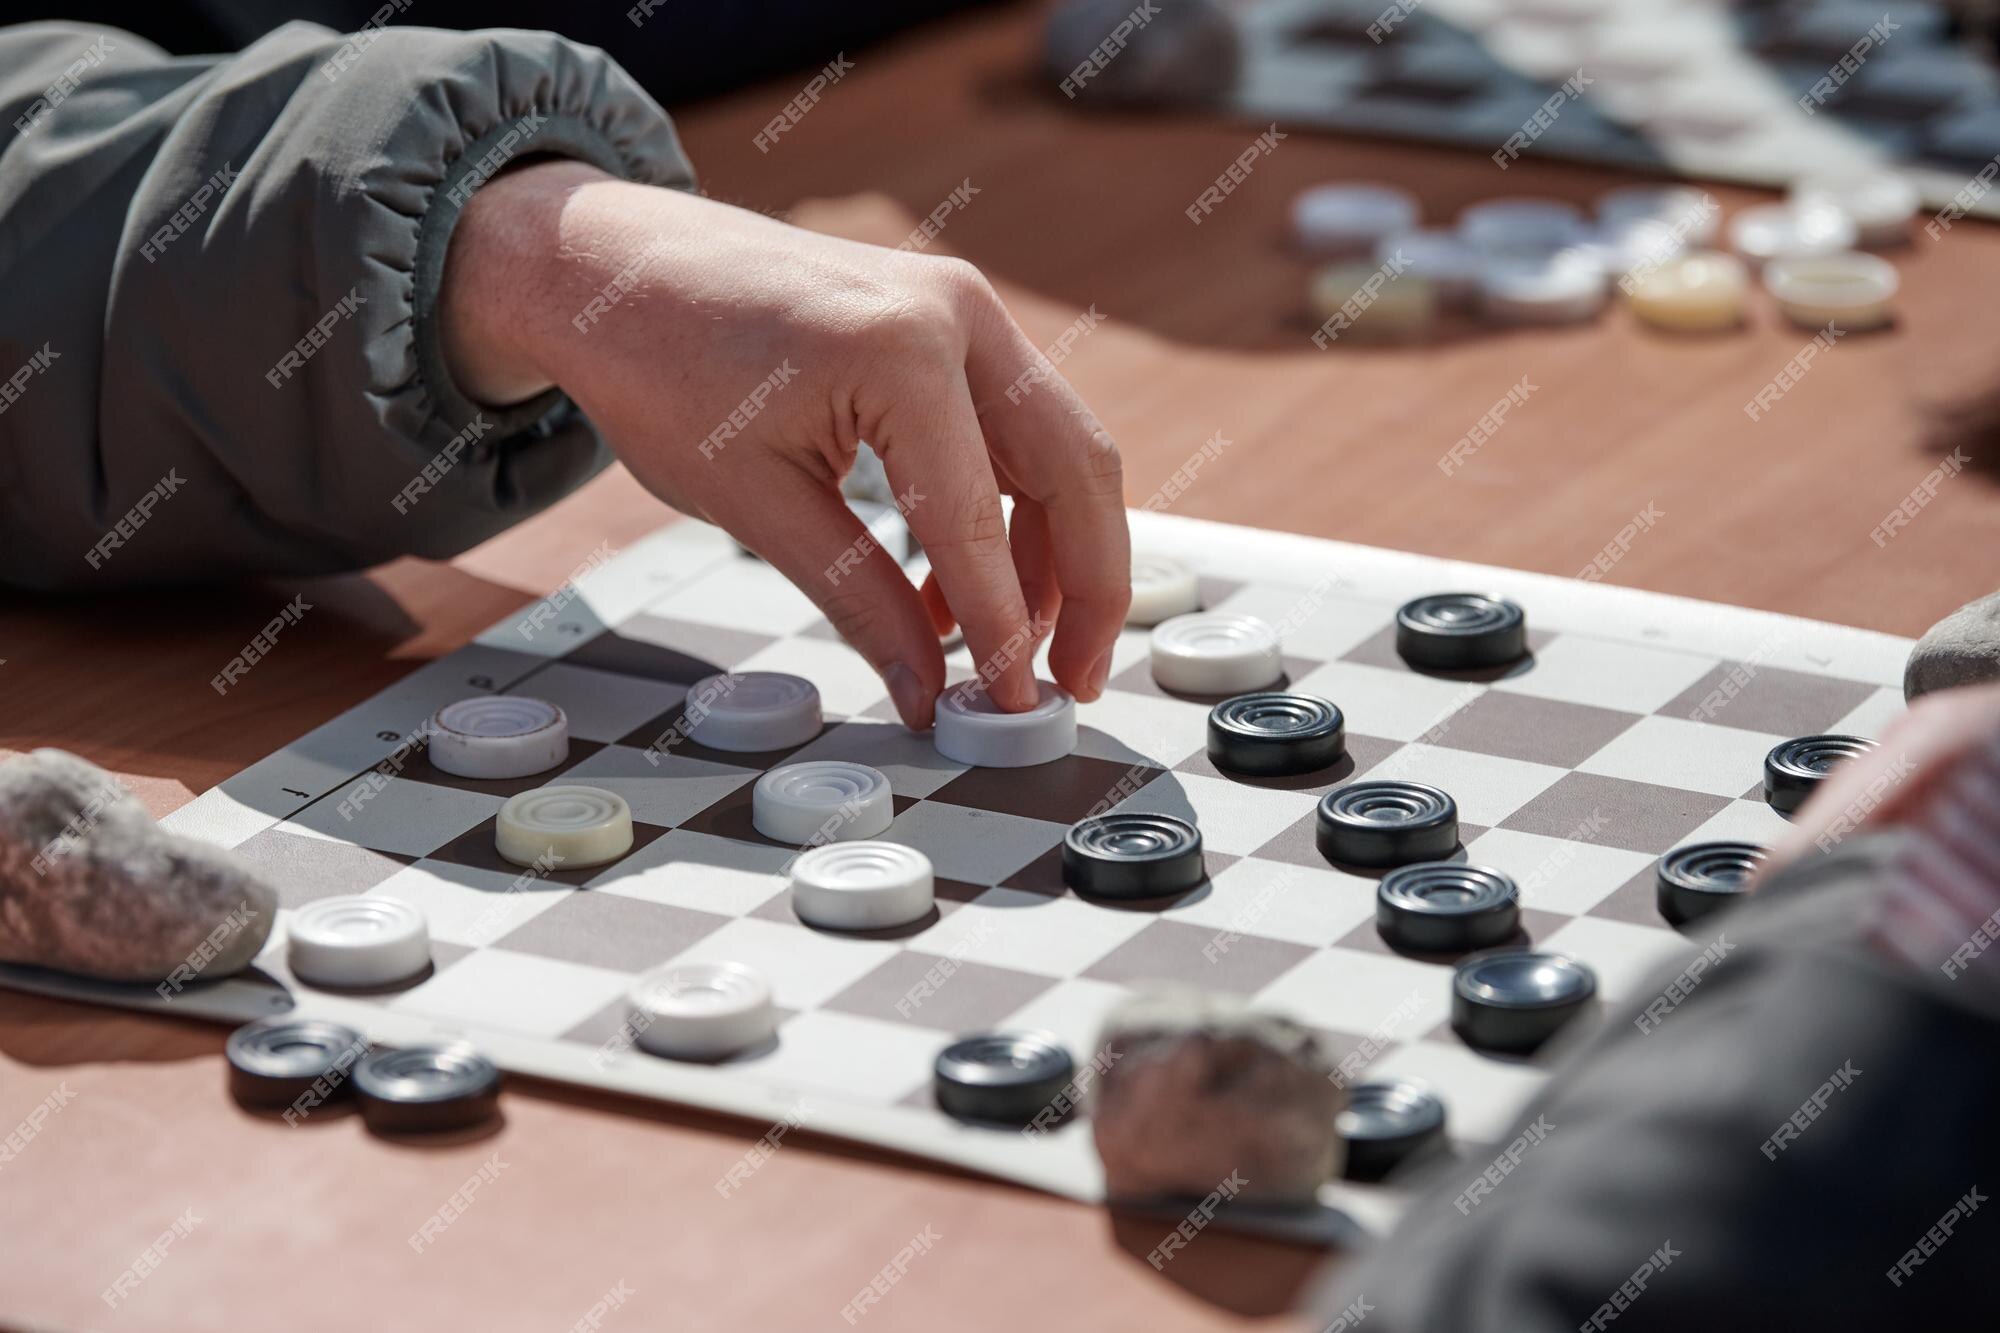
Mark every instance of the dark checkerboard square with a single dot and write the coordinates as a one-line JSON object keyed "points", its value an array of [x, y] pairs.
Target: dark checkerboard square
{"points": [[1636, 901], [1363, 753], [1638, 816], [419, 768], [1539, 731], [657, 648], [1173, 951], [1767, 698], [949, 994], [1061, 792], [304, 869], [1298, 845], [733, 817], [1138, 679], [475, 848], [611, 930]]}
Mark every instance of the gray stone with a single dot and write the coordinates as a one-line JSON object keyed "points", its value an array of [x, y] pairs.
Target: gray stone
{"points": [[1197, 1089], [90, 884], [1961, 649]]}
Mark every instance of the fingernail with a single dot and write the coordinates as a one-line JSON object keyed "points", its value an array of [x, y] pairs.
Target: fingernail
{"points": [[1100, 673], [912, 701]]}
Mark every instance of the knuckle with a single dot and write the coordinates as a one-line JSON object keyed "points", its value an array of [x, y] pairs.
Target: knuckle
{"points": [[852, 610], [977, 521], [1103, 465]]}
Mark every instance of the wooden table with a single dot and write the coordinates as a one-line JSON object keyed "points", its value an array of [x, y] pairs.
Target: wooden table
{"points": [[1203, 333]]}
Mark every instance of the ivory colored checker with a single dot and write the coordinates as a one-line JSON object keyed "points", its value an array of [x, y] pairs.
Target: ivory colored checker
{"points": [[571, 828], [701, 1011], [1698, 293], [1565, 287], [972, 729], [498, 736], [822, 800], [862, 886], [752, 710], [357, 941], [1211, 653], [1161, 587], [1849, 290], [1372, 300]]}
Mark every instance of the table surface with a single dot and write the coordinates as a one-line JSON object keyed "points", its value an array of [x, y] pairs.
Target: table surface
{"points": [[1204, 331]]}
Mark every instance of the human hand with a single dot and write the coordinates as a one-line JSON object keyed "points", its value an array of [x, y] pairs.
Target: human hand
{"points": [[1892, 781], [735, 362]]}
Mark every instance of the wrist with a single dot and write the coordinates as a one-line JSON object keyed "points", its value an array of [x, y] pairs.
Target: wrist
{"points": [[505, 278]]}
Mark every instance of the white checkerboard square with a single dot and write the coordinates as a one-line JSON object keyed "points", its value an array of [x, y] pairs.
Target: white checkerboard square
{"points": [[806, 968], [1622, 955], [698, 870], [1722, 761], [514, 992], [1028, 932], [1320, 626], [1625, 676], [851, 1058], [1279, 901], [1074, 1010], [1482, 1096], [1234, 818], [741, 594], [1395, 705], [1555, 874], [1351, 991], [1126, 728]]}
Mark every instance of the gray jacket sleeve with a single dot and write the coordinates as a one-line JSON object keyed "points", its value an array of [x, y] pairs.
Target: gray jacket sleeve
{"points": [[218, 280], [1798, 1133]]}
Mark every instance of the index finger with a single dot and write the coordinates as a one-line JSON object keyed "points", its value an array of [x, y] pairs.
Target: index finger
{"points": [[944, 483], [1054, 451]]}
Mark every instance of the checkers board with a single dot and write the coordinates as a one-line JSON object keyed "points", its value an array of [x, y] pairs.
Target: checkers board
{"points": [[1638, 723]]}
